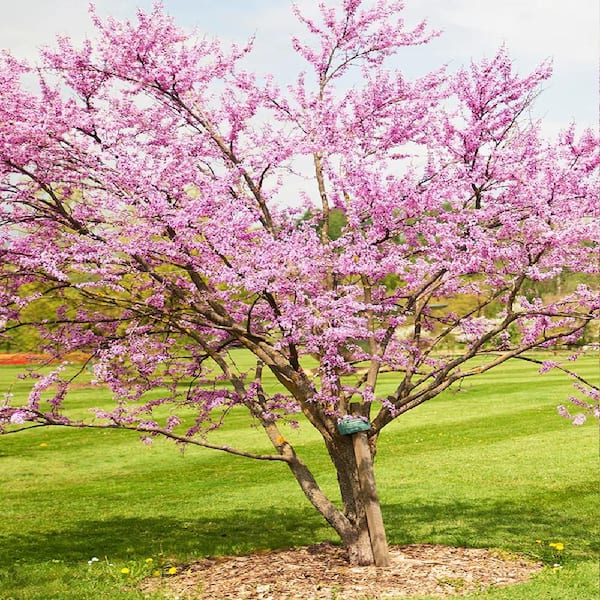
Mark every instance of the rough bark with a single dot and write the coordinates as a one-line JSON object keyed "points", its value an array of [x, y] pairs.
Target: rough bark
{"points": [[366, 543], [370, 499]]}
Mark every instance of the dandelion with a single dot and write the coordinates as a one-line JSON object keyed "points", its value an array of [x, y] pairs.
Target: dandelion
{"points": [[125, 571], [149, 561], [557, 546], [156, 574], [172, 570]]}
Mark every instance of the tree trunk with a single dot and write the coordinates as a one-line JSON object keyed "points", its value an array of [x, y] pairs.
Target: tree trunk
{"points": [[366, 541], [358, 545], [370, 499]]}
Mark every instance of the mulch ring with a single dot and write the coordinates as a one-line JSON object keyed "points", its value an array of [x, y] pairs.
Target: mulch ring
{"points": [[321, 572]]}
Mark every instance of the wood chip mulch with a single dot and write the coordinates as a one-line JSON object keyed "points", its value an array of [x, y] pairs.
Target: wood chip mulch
{"points": [[321, 572]]}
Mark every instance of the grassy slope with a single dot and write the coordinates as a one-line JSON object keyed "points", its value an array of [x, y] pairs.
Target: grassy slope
{"points": [[490, 465]]}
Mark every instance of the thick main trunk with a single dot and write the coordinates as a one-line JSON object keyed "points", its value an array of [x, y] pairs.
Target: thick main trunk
{"points": [[353, 461], [359, 523], [370, 499], [360, 552]]}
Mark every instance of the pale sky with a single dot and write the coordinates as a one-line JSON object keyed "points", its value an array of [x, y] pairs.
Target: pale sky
{"points": [[565, 30]]}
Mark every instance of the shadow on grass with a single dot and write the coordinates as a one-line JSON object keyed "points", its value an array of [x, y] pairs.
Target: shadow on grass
{"points": [[466, 522], [234, 532], [497, 523]]}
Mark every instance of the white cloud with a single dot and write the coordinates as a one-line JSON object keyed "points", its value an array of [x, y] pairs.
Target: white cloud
{"points": [[566, 31], [533, 28], [27, 25]]}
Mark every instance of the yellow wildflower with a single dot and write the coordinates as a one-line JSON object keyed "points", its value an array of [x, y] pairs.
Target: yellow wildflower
{"points": [[156, 574], [148, 561], [557, 546], [172, 570], [125, 571]]}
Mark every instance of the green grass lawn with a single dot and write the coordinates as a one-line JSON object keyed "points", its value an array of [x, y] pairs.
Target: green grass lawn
{"points": [[487, 465]]}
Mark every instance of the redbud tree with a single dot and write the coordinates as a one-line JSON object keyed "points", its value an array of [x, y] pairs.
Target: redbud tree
{"points": [[161, 206]]}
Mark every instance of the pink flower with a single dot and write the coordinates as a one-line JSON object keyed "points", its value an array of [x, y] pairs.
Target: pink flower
{"points": [[18, 417]]}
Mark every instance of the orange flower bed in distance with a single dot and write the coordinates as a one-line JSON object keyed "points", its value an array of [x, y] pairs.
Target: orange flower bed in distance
{"points": [[28, 358]]}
